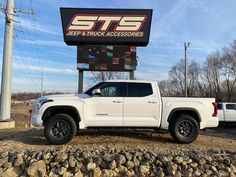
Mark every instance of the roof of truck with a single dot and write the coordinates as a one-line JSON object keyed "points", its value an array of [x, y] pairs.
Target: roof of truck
{"points": [[135, 81]]}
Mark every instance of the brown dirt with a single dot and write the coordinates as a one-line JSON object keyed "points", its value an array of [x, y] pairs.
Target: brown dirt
{"points": [[223, 138]]}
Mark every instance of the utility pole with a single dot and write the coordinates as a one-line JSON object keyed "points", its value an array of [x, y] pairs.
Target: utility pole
{"points": [[5, 108], [186, 45], [42, 82], [5, 104]]}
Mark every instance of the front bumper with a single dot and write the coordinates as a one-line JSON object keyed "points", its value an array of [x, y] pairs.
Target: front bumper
{"points": [[36, 120]]}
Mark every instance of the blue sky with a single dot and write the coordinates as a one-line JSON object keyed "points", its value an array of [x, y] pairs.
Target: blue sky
{"points": [[208, 24]]}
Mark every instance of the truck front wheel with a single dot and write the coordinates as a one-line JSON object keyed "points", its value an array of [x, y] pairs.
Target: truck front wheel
{"points": [[184, 128], [60, 129]]}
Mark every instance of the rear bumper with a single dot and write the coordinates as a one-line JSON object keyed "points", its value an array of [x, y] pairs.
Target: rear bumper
{"points": [[213, 122]]}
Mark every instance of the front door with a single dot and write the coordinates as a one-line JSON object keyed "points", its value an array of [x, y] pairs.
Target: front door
{"points": [[105, 109]]}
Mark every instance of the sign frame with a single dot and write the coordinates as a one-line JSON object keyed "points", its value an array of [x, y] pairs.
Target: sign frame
{"points": [[90, 26]]}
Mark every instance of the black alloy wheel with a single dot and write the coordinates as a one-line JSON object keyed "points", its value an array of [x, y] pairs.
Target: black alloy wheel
{"points": [[60, 129], [184, 128]]}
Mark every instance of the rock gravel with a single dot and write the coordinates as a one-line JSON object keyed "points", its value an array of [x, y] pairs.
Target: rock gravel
{"points": [[104, 161]]}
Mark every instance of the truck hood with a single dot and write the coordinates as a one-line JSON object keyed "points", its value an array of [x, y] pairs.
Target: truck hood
{"points": [[63, 97]]}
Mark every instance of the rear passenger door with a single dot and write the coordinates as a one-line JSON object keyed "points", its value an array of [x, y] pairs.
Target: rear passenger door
{"points": [[230, 112], [141, 106]]}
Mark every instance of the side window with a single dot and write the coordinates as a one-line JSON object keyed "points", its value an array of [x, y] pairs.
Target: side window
{"points": [[139, 89], [112, 89], [230, 106], [89, 91]]}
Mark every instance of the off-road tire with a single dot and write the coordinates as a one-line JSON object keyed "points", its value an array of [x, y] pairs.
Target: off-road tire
{"points": [[60, 129], [184, 128]]}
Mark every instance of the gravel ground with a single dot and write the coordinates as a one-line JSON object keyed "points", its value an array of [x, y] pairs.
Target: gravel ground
{"points": [[158, 142], [115, 152], [221, 138], [68, 161]]}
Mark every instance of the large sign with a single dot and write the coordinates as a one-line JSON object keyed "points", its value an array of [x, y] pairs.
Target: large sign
{"points": [[106, 26], [106, 58]]}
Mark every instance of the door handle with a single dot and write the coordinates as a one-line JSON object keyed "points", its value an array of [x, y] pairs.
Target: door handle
{"points": [[117, 101], [152, 102]]}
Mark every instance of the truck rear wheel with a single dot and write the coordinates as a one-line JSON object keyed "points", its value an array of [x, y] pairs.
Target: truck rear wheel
{"points": [[60, 129], [184, 128]]}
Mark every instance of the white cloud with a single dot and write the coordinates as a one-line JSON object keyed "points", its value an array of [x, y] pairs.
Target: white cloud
{"points": [[165, 23], [50, 70], [151, 75], [46, 43], [28, 23]]}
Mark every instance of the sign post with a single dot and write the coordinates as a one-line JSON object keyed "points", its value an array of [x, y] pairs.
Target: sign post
{"points": [[81, 81]]}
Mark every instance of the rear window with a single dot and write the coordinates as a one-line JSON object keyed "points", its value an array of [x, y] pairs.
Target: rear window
{"points": [[230, 106], [220, 107], [139, 89]]}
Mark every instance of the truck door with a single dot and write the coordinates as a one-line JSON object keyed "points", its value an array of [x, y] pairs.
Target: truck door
{"points": [[105, 109], [230, 112], [221, 115], [141, 105]]}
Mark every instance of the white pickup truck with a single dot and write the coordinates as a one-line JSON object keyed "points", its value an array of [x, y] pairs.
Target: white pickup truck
{"points": [[123, 104], [227, 112]]}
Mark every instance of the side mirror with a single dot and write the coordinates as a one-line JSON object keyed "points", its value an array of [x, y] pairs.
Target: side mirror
{"points": [[96, 92]]}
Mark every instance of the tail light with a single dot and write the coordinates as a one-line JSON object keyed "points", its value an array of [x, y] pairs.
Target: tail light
{"points": [[215, 104]]}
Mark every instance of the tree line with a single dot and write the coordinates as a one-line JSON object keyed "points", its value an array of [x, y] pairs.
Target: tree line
{"points": [[215, 77]]}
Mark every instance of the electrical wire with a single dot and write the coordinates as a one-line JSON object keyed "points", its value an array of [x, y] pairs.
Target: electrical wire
{"points": [[25, 37]]}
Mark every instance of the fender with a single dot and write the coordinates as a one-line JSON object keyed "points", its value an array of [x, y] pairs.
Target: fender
{"points": [[183, 109], [61, 109]]}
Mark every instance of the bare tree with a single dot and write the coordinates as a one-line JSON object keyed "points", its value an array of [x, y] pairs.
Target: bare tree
{"points": [[212, 75], [177, 79], [229, 71], [193, 79], [166, 88], [103, 76], [215, 78]]}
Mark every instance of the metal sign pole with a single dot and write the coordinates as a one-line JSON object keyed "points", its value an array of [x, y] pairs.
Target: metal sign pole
{"points": [[81, 81], [131, 75]]}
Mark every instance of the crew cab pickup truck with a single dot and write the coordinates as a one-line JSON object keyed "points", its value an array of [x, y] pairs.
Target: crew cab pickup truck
{"points": [[227, 112], [123, 104]]}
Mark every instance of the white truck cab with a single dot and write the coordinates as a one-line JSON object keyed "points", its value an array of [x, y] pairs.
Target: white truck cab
{"points": [[123, 104], [227, 112]]}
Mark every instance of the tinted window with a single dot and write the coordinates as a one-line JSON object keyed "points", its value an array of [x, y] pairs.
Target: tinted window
{"points": [[89, 91], [110, 89], [139, 89], [230, 106], [220, 107]]}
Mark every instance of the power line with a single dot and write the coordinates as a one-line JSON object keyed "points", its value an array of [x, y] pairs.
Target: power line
{"points": [[29, 74], [29, 48], [26, 36]]}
